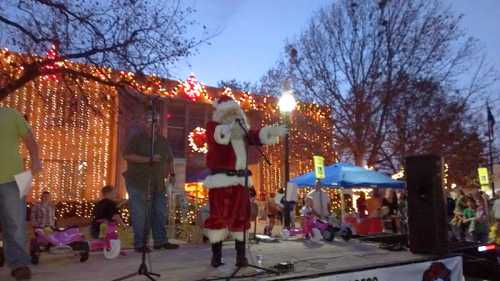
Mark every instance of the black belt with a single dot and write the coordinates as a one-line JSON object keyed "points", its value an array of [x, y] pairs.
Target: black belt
{"points": [[238, 173]]}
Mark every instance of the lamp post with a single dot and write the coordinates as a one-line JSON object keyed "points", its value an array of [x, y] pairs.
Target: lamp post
{"points": [[286, 105]]}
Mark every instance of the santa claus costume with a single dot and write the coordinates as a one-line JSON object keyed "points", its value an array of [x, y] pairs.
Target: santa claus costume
{"points": [[227, 161]]}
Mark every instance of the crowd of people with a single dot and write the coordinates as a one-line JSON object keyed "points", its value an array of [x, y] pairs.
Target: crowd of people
{"points": [[471, 215], [391, 209]]}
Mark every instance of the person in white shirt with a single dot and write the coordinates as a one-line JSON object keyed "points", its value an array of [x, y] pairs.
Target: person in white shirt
{"points": [[319, 202]]}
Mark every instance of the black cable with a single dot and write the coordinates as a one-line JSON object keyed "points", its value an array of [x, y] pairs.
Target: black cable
{"points": [[237, 277]]}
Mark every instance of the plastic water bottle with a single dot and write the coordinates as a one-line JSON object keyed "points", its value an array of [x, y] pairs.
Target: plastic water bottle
{"points": [[259, 262]]}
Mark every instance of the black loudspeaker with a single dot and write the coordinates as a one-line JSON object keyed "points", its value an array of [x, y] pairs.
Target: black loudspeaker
{"points": [[427, 221]]}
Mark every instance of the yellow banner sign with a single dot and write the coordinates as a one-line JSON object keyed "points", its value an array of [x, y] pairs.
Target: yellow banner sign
{"points": [[319, 166], [483, 176]]}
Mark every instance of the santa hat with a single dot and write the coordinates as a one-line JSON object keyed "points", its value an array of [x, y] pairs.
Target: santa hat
{"points": [[225, 102]]}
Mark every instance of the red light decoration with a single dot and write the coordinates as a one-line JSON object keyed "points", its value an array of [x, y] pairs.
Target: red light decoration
{"points": [[52, 54], [198, 140], [191, 88]]}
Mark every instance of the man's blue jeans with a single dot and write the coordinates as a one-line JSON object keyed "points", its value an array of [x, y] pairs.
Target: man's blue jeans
{"points": [[158, 214], [13, 219]]}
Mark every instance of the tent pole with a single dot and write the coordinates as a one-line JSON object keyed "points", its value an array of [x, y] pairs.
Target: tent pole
{"points": [[342, 205]]}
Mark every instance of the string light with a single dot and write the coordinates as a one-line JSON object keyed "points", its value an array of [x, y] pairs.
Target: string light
{"points": [[399, 175], [73, 129], [75, 124], [445, 176]]}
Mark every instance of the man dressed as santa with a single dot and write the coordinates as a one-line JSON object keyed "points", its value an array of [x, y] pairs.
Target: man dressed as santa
{"points": [[227, 159]]}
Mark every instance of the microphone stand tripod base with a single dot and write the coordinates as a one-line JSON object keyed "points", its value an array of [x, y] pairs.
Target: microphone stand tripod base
{"points": [[143, 270]]}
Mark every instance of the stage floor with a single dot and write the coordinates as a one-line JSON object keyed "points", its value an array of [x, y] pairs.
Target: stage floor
{"points": [[191, 262]]}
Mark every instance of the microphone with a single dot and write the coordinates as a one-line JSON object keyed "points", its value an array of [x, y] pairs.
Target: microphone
{"points": [[242, 124]]}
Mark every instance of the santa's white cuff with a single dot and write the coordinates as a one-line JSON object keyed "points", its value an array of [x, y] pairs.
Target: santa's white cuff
{"points": [[238, 236], [216, 235], [222, 134]]}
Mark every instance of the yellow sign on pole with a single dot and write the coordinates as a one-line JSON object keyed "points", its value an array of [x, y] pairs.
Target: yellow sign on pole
{"points": [[319, 166], [483, 176]]}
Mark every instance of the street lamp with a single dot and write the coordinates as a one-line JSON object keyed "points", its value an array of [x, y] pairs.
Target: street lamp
{"points": [[286, 105], [287, 102]]}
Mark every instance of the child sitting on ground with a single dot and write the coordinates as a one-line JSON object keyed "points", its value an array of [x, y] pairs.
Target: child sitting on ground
{"points": [[105, 210], [43, 214]]}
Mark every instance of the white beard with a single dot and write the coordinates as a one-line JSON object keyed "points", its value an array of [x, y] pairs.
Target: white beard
{"points": [[240, 152], [237, 135]]}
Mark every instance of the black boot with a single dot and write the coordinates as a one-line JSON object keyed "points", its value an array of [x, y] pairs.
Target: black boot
{"points": [[241, 259], [216, 254]]}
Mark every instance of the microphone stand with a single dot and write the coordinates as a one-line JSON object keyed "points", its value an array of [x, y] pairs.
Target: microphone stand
{"points": [[268, 163], [256, 147], [143, 268], [263, 269]]}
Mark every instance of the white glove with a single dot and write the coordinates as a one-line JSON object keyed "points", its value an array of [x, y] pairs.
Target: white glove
{"points": [[271, 134], [278, 130], [222, 134]]}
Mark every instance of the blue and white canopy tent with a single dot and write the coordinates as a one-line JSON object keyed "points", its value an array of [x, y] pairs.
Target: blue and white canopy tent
{"points": [[345, 175]]}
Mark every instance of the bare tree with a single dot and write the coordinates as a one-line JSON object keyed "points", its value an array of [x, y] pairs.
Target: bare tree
{"points": [[135, 36], [427, 120], [358, 56], [236, 85]]}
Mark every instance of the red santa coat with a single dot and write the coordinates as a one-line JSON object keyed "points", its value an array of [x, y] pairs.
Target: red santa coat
{"points": [[228, 199]]}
